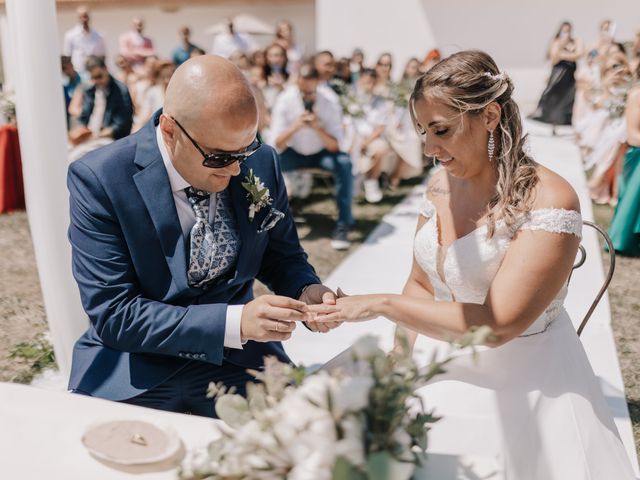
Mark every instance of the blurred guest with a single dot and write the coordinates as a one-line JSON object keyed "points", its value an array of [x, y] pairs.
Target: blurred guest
{"points": [[134, 46], [275, 73], [107, 112], [325, 65], [371, 152], [71, 80], [153, 98], [356, 65], [82, 41], [609, 146], [432, 57], [606, 34], [556, 103], [182, 52], [230, 41], [384, 65], [144, 80], [258, 58], [635, 52], [284, 38], [343, 70], [127, 76], [625, 225], [410, 73], [241, 60], [306, 127], [588, 86], [196, 52]]}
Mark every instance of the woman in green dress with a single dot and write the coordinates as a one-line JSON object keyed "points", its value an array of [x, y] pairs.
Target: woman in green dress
{"points": [[625, 226]]}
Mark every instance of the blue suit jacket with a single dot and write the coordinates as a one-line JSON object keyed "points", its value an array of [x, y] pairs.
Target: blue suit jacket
{"points": [[118, 112], [130, 261]]}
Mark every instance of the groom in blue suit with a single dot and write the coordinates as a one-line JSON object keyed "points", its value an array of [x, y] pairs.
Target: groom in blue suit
{"points": [[169, 228]]}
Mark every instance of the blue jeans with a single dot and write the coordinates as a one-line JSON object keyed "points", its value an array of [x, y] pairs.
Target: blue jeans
{"points": [[186, 390], [338, 163]]}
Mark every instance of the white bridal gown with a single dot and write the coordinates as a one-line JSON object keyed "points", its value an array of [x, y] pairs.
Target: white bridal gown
{"points": [[533, 404]]}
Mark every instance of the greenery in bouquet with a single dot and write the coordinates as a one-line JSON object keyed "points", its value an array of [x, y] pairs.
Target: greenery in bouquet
{"points": [[349, 101], [347, 423]]}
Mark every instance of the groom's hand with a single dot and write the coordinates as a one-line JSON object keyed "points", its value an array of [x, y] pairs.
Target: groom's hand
{"points": [[271, 318], [319, 294]]}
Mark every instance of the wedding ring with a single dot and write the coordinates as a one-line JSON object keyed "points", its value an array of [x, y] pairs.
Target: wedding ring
{"points": [[139, 440]]}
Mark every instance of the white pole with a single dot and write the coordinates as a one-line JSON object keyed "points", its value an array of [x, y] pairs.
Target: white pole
{"points": [[41, 125]]}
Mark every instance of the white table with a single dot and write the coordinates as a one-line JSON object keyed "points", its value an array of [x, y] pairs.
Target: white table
{"points": [[41, 431]]}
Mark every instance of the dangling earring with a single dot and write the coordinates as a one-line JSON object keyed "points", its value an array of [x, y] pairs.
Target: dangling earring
{"points": [[491, 147]]}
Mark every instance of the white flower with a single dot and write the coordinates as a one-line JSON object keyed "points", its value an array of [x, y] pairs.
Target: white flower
{"points": [[352, 395], [351, 446]]}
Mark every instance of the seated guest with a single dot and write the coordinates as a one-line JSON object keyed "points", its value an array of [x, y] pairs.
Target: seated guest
{"points": [[384, 65], [153, 97], [71, 82], [275, 73], [625, 225], [107, 112], [370, 150], [356, 64], [306, 127], [134, 46], [325, 64], [284, 37], [182, 52]]}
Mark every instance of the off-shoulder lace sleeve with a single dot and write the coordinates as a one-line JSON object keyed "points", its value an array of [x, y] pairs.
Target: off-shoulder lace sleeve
{"points": [[427, 209], [555, 220]]}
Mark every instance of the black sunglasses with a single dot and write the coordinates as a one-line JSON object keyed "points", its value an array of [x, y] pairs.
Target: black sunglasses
{"points": [[221, 159]]}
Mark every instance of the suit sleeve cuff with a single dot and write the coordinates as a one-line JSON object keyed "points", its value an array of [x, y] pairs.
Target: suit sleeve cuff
{"points": [[232, 338]]}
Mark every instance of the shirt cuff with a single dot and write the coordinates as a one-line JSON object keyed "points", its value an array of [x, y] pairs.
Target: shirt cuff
{"points": [[232, 338]]}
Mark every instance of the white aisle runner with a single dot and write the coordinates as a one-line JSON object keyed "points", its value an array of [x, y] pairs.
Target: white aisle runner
{"points": [[383, 263]]}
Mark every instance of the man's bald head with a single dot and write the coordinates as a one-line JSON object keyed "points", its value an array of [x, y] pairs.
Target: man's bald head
{"points": [[209, 90], [213, 103]]}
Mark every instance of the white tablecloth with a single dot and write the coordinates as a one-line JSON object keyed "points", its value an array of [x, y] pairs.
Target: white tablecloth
{"points": [[41, 431]]}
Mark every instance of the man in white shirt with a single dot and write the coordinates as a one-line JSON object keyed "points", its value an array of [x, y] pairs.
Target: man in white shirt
{"points": [[227, 43], [82, 42], [306, 128]]}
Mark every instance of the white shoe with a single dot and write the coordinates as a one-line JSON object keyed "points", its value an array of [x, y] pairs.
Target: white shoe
{"points": [[372, 192]]}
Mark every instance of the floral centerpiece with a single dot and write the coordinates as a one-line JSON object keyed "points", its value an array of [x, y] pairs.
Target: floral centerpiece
{"points": [[361, 422]]}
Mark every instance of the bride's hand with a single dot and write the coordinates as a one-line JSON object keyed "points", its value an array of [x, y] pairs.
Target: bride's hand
{"points": [[355, 308]]}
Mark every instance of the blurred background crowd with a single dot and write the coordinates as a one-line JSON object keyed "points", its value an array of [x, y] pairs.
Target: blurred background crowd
{"points": [[345, 119]]}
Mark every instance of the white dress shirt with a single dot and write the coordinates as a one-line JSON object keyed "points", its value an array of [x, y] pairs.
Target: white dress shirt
{"points": [[79, 44], [226, 44], [187, 217], [289, 107]]}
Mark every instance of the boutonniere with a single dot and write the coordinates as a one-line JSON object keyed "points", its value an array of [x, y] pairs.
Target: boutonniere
{"points": [[258, 194]]}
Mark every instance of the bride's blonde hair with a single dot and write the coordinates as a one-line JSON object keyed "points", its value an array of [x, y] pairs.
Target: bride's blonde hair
{"points": [[468, 81]]}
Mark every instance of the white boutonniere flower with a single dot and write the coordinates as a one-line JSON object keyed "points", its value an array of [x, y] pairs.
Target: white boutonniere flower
{"points": [[258, 195]]}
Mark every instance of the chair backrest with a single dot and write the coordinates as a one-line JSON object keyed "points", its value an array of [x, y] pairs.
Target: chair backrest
{"points": [[609, 276]]}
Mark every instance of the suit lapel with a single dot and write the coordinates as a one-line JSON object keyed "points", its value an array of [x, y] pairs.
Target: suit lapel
{"points": [[154, 187]]}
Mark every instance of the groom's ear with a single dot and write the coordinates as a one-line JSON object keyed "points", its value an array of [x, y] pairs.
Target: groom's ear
{"points": [[168, 130]]}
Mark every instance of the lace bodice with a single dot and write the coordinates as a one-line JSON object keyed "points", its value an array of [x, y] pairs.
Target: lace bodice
{"points": [[464, 270]]}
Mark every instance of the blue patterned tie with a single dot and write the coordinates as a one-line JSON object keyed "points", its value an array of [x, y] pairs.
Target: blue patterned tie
{"points": [[213, 251]]}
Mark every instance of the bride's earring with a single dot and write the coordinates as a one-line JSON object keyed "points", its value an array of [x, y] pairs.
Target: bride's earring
{"points": [[491, 147]]}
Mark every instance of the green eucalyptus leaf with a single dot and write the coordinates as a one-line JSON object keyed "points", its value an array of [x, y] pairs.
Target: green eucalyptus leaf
{"points": [[233, 410]]}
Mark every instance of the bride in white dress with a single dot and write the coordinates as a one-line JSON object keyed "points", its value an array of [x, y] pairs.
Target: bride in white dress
{"points": [[495, 243]]}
